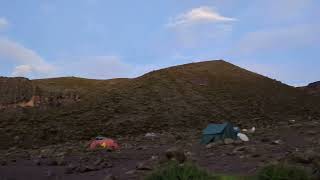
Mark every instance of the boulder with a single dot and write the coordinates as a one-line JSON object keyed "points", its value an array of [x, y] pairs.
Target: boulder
{"points": [[228, 141], [145, 166], [210, 145], [176, 154], [110, 177]]}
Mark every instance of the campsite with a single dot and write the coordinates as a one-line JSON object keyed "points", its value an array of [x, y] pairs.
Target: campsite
{"points": [[159, 90], [76, 140], [140, 155]]}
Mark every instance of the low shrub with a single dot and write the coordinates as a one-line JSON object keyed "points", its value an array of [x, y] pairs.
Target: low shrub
{"points": [[175, 171], [282, 172]]}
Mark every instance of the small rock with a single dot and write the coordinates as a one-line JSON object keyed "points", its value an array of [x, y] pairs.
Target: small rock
{"points": [[277, 142], [176, 154], [265, 140], [131, 172], [230, 153], [51, 162], [306, 157], [238, 142], [144, 166], [17, 138], [37, 162], [106, 165], [210, 145], [110, 177], [256, 155], [98, 162], [228, 141], [311, 132], [49, 173], [86, 168], [292, 121], [71, 168], [61, 161], [239, 149], [150, 135], [3, 163]]}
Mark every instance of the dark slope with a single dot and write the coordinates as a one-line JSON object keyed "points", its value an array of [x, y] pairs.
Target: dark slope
{"points": [[179, 98], [312, 88], [14, 90]]}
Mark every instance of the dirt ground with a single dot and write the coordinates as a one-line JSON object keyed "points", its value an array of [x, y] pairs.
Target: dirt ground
{"points": [[139, 155]]}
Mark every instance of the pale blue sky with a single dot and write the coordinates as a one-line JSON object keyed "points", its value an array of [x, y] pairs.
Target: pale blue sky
{"points": [[116, 38]]}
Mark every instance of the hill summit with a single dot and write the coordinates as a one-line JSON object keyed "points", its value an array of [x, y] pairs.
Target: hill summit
{"points": [[180, 98]]}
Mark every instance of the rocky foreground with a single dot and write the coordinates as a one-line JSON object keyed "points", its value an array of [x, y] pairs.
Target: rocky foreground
{"points": [[293, 141]]}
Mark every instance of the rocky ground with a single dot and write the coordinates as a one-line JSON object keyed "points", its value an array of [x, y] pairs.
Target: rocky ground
{"points": [[295, 142]]}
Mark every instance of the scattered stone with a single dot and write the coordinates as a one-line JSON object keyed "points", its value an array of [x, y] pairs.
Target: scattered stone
{"points": [[230, 153], [311, 132], [17, 138], [86, 168], [3, 163], [210, 145], [306, 157], [51, 162], [106, 165], [176, 154], [150, 135], [131, 172], [256, 155], [265, 140], [49, 173], [145, 166], [277, 142], [110, 177], [98, 162], [228, 141], [238, 142], [37, 162], [239, 149], [292, 121], [71, 168]]}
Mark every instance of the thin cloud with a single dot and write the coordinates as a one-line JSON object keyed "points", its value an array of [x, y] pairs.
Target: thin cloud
{"points": [[3, 23], [277, 40], [28, 62], [199, 15]]}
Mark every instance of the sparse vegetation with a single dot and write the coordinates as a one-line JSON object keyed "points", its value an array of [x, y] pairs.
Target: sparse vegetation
{"points": [[174, 171], [282, 172], [180, 98]]}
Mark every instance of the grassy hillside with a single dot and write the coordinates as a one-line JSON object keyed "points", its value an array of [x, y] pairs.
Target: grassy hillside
{"points": [[14, 90], [179, 98]]}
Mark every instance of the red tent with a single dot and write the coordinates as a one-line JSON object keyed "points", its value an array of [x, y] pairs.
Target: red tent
{"points": [[104, 143]]}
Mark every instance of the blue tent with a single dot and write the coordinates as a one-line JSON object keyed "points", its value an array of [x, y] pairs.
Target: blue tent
{"points": [[215, 132]]}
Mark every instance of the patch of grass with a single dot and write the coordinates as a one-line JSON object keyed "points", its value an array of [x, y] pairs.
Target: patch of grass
{"points": [[174, 171], [282, 172]]}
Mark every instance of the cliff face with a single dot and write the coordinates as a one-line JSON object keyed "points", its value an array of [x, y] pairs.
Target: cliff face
{"points": [[15, 91], [22, 92]]}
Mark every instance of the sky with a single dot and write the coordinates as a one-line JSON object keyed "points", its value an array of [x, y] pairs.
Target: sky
{"points": [[105, 39]]}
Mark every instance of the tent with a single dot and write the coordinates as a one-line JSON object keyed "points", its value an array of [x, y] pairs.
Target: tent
{"points": [[215, 132], [104, 143]]}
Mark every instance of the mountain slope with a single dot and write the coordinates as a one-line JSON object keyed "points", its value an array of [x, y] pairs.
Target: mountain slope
{"points": [[313, 88], [179, 98]]}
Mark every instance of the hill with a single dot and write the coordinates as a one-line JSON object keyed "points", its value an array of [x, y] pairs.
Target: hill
{"points": [[313, 88], [180, 98]]}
